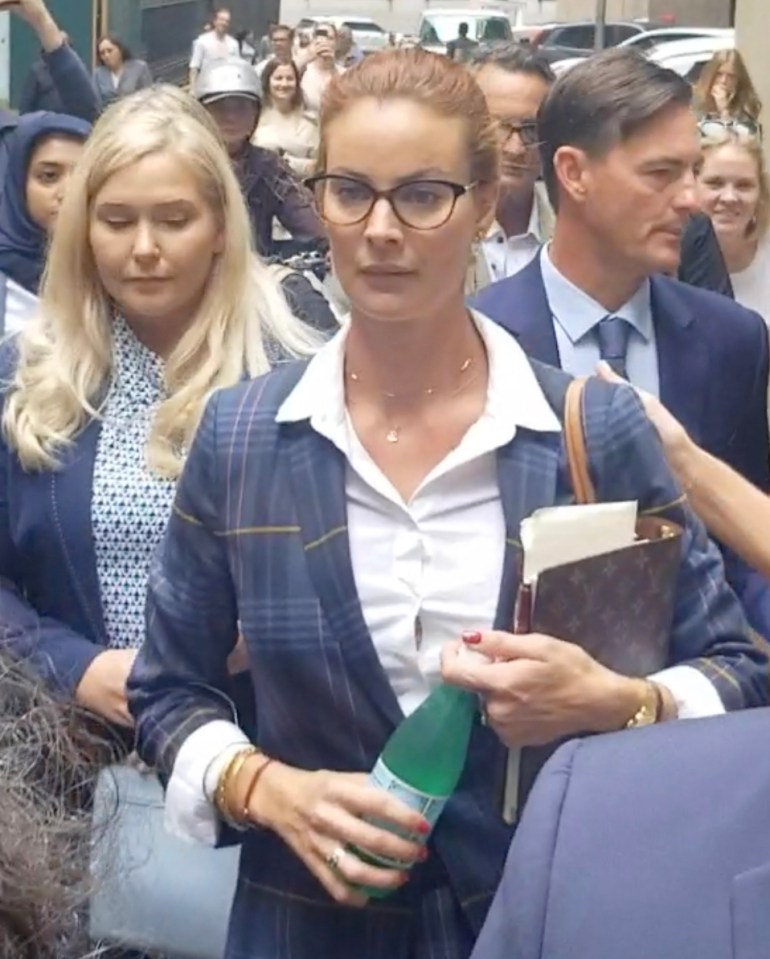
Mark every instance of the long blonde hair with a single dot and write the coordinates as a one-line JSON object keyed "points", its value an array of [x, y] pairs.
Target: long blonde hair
{"points": [[65, 355], [744, 101]]}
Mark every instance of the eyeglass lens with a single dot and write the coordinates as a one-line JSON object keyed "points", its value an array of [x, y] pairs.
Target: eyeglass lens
{"points": [[527, 132], [422, 204]]}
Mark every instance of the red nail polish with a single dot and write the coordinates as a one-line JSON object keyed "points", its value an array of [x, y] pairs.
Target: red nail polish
{"points": [[472, 638], [423, 854], [424, 828]]}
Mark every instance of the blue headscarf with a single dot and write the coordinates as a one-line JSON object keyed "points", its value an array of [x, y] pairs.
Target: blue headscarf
{"points": [[22, 242]]}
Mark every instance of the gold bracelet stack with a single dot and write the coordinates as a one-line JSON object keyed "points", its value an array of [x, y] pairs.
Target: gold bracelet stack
{"points": [[222, 796]]}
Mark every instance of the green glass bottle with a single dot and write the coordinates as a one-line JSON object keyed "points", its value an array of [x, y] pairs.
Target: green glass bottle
{"points": [[423, 760]]}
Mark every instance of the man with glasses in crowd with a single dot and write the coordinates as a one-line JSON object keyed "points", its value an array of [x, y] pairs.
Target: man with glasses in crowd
{"points": [[514, 83], [281, 47]]}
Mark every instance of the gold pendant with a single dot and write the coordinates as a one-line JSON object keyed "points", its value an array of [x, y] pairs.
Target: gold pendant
{"points": [[392, 435]]}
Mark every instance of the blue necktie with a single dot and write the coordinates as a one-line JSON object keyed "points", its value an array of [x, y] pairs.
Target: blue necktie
{"points": [[613, 334]]}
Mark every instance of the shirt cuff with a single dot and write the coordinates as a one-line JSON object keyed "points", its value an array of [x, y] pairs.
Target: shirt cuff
{"points": [[695, 696], [190, 813]]}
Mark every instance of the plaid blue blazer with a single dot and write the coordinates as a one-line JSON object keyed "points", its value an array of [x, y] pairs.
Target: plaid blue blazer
{"points": [[258, 537]]}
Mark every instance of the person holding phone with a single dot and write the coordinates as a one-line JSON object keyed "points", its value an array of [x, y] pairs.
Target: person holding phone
{"points": [[322, 67]]}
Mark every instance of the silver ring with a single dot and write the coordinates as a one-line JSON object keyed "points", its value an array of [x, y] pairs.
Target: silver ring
{"points": [[334, 858]]}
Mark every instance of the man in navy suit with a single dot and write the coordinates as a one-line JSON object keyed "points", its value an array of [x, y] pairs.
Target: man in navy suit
{"points": [[686, 874], [619, 144]]}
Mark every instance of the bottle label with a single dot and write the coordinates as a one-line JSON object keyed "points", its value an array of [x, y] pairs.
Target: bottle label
{"points": [[429, 807]]}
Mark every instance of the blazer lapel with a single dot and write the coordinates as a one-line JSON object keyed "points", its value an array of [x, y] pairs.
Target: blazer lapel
{"points": [[683, 359], [318, 482], [527, 471], [71, 495], [525, 313]]}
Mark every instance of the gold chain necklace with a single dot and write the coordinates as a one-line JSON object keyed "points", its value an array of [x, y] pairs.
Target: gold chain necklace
{"points": [[394, 431]]}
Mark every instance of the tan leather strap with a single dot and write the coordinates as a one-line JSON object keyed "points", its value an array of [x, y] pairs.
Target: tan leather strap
{"points": [[575, 443]]}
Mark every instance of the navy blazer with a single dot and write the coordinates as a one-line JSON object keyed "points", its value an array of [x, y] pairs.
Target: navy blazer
{"points": [[50, 599], [713, 366], [687, 873], [258, 536]]}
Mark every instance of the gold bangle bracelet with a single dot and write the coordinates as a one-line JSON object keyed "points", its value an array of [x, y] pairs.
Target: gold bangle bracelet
{"points": [[252, 787], [229, 774]]}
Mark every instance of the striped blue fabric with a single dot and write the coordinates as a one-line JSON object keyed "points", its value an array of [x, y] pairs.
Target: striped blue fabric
{"points": [[258, 540]]}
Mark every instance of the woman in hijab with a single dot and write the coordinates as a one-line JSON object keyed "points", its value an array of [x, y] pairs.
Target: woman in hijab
{"points": [[41, 154]]}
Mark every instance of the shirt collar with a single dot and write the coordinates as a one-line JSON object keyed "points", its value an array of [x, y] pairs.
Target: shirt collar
{"points": [[496, 232], [136, 368], [577, 313], [514, 396]]}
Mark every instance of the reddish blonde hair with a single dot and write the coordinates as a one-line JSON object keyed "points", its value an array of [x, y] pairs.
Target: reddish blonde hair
{"points": [[426, 78]]}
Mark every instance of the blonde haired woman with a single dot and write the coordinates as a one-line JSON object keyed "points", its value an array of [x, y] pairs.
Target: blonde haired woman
{"points": [[734, 190], [151, 300], [724, 91]]}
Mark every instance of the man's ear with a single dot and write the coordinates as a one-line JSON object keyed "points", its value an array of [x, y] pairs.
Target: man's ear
{"points": [[570, 167]]}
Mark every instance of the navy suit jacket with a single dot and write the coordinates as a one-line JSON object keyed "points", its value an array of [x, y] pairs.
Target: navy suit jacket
{"points": [[713, 367], [687, 872], [258, 536]]}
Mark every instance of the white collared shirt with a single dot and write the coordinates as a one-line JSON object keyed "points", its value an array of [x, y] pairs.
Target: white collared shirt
{"points": [[508, 255], [425, 570], [417, 590], [576, 317]]}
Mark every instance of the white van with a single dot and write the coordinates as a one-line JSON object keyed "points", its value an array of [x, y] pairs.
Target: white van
{"points": [[439, 25]]}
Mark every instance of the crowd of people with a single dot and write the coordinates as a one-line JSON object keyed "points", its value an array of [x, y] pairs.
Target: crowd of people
{"points": [[251, 517]]}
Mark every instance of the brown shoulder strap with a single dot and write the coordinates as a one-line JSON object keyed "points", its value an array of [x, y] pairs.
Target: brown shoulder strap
{"points": [[575, 443]]}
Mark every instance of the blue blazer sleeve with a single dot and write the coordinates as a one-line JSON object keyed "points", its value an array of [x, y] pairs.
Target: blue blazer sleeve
{"points": [[73, 83], [710, 631], [515, 925], [749, 453], [192, 618], [58, 654]]}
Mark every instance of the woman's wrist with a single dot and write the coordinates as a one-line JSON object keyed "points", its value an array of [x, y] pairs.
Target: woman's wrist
{"points": [[260, 798], [684, 457]]}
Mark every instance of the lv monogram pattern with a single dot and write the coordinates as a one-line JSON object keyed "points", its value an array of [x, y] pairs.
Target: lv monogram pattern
{"points": [[619, 607]]}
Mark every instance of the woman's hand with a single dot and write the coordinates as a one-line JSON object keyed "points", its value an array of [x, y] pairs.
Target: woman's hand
{"points": [[537, 689], [721, 99], [102, 688], [673, 435], [319, 815]]}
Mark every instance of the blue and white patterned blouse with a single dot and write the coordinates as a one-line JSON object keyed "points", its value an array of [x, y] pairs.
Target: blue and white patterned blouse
{"points": [[130, 506]]}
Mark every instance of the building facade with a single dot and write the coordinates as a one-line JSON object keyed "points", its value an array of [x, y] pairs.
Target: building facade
{"points": [[703, 13]]}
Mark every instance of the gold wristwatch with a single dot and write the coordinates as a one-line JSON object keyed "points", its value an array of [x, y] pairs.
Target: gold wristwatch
{"points": [[649, 712]]}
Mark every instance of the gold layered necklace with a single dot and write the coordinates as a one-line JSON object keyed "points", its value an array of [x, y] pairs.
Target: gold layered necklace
{"points": [[393, 434]]}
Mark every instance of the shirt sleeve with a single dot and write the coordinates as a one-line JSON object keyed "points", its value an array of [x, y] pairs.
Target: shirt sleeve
{"points": [[695, 696], [190, 811], [196, 58]]}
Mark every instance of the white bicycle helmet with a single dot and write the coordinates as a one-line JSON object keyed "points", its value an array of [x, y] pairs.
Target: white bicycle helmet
{"points": [[228, 78]]}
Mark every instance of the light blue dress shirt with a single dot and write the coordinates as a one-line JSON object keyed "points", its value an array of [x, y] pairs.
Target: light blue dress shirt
{"points": [[576, 315]]}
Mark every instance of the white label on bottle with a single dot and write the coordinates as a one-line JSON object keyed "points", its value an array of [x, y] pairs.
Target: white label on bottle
{"points": [[429, 807]]}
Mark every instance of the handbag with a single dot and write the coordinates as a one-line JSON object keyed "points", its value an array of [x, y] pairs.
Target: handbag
{"points": [[617, 606], [152, 891]]}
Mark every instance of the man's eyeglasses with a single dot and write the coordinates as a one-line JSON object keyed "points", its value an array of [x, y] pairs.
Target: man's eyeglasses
{"points": [[526, 130], [715, 127], [419, 204]]}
